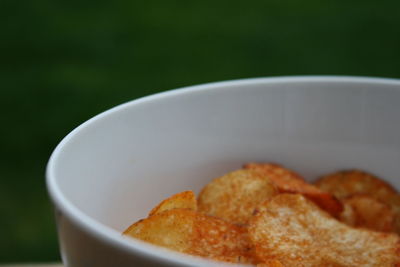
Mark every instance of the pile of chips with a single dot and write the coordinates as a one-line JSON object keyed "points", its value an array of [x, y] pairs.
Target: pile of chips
{"points": [[267, 215]]}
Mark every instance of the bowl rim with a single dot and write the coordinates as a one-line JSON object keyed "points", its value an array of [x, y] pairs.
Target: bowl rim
{"points": [[113, 237]]}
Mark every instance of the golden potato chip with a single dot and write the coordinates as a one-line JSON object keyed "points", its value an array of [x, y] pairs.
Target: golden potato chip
{"points": [[276, 171], [288, 181], [271, 263], [217, 239], [349, 182], [345, 183], [171, 229], [294, 231], [194, 233], [183, 200], [362, 210], [235, 195]]}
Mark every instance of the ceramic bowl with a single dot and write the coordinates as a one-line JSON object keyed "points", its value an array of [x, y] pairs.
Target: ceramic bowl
{"points": [[111, 170]]}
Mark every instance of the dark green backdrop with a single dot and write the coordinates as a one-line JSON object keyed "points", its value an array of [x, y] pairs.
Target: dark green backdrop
{"points": [[62, 62]]}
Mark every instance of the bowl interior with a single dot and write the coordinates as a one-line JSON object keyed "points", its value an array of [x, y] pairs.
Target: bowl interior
{"points": [[117, 166]]}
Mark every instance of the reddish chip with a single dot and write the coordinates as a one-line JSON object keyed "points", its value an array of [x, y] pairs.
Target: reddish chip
{"points": [[346, 183], [217, 239], [349, 182], [197, 234], [288, 181], [235, 195], [364, 211], [183, 200], [269, 216], [294, 231], [271, 263], [171, 229]]}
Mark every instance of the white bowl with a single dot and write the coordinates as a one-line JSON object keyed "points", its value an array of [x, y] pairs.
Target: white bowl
{"points": [[111, 170]]}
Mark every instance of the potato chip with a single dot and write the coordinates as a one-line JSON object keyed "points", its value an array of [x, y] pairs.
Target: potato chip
{"points": [[275, 171], [183, 200], [235, 195], [220, 240], [171, 229], [294, 231], [345, 183], [271, 263], [288, 181], [194, 233], [349, 182], [362, 210]]}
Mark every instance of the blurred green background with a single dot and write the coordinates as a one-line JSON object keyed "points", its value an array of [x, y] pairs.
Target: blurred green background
{"points": [[62, 62]]}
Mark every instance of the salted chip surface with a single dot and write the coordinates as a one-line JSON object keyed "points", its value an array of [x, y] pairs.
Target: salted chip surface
{"points": [[217, 239], [288, 181], [235, 195], [276, 171], [346, 183], [294, 231], [271, 263], [362, 210], [171, 229], [182, 200], [190, 232]]}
